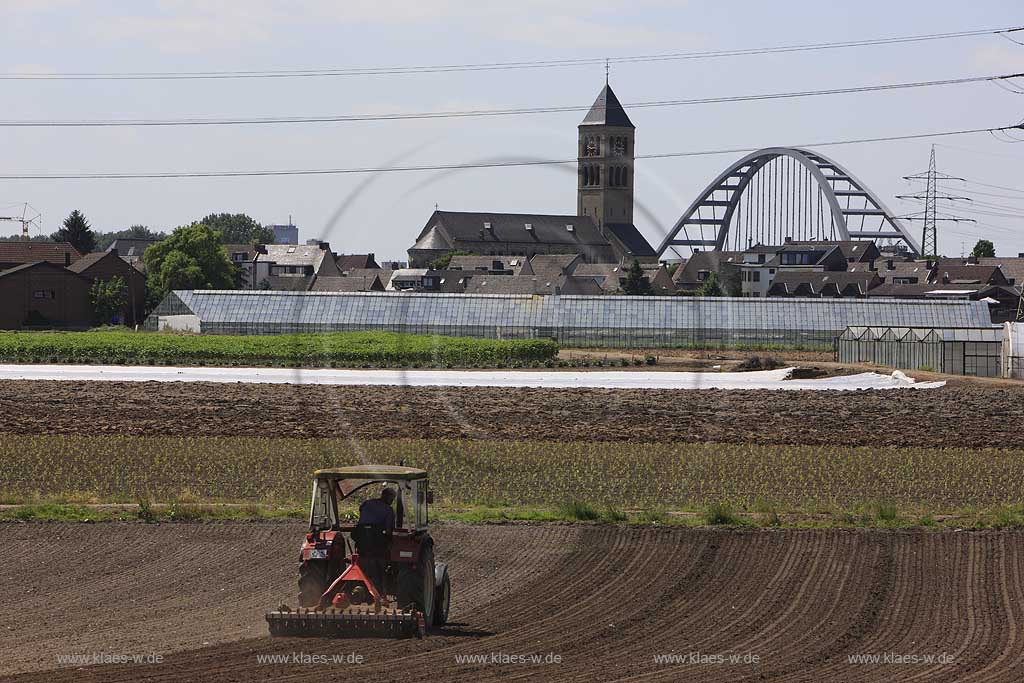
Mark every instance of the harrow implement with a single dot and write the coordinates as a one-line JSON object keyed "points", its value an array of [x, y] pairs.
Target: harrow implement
{"points": [[332, 622]]}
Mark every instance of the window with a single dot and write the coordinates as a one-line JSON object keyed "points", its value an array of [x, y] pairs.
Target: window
{"points": [[796, 258], [702, 275], [757, 275], [44, 294]]}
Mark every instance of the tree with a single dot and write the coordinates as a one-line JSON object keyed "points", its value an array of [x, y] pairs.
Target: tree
{"points": [[33, 238], [105, 239], [109, 298], [984, 249], [77, 232], [191, 258], [711, 287], [636, 282], [237, 228], [442, 262]]}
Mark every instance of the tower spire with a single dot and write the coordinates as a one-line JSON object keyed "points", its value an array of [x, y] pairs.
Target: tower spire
{"points": [[607, 69]]}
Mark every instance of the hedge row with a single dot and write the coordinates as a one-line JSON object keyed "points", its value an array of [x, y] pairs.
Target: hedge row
{"points": [[375, 349]]}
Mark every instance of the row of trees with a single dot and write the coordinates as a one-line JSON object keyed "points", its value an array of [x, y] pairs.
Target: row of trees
{"points": [[191, 257], [234, 228]]}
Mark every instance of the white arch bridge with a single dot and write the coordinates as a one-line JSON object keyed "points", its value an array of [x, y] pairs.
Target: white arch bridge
{"points": [[782, 192]]}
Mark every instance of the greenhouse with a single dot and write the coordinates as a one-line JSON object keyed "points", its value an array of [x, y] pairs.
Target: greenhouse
{"points": [[606, 321], [956, 351], [1013, 350]]}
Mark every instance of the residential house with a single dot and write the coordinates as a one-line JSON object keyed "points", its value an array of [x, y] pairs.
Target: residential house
{"points": [[19, 253], [348, 283], [724, 265], [44, 295], [106, 265], [132, 249], [823, 284], [347, 262]]}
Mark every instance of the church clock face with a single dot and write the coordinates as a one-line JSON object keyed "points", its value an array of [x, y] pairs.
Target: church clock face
{"points": [[591, 147]]}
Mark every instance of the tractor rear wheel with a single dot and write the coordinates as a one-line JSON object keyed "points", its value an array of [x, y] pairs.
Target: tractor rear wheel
{"points": [[312, 582], [442, 600], [416, 584]]}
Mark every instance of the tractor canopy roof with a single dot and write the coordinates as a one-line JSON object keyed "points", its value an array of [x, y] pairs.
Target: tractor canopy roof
{"points": [[387, 472]]}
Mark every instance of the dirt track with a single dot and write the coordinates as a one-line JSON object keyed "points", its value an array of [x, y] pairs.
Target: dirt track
{"points": [[978, 415], [606, 600]]}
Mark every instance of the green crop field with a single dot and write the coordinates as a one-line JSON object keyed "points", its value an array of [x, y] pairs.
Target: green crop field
{"points": [[335, 349], [465, 472]]}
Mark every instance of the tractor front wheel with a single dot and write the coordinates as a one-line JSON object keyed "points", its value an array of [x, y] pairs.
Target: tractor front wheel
{"points": [[416, 584], [312, 582]]}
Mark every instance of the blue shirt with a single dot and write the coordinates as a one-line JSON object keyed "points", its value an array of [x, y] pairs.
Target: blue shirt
{"points": [[376, 511]]}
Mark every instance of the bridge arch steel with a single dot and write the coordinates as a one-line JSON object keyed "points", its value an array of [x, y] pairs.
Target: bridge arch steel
{"points": [[786, 179]]}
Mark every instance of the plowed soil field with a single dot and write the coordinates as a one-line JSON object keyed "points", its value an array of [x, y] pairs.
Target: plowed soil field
{"points": [[973, 415], [610, 603]]}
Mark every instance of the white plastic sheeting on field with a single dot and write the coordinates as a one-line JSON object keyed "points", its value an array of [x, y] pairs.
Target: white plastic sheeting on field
{"points": [[625, 379]]}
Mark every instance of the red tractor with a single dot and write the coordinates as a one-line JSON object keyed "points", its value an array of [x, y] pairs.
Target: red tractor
{"points": [[359, 579]]}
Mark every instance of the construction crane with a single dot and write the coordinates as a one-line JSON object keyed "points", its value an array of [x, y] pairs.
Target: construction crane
{"points": [[29, 216]]}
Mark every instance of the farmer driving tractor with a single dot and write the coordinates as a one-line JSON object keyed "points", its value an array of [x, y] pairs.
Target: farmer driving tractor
{"points": [[378, 510], [377, 517]]}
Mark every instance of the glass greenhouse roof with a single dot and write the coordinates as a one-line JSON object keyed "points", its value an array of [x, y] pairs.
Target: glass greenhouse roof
{"points": [[574, 319], [990, 333]]}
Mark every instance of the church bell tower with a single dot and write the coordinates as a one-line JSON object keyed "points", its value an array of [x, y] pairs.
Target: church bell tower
{"points": [[605, 168]]}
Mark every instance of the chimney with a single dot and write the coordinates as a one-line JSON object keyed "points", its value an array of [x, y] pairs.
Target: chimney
{"points": [[945, 278], [972, 260], [325, 246], [67, 259], [112, 251]]}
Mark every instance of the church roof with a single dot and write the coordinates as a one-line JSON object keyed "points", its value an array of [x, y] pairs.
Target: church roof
{"points": [[607, 111], [631, 239], [509, 227], [433, 240]]}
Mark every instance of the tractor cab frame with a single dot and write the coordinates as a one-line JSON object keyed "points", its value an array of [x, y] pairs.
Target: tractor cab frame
{"points": [[333, 486]]}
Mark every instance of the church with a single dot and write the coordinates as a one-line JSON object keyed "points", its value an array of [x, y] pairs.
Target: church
{"points": [[601, 230]]}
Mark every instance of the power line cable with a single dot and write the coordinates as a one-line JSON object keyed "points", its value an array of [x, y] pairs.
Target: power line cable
{"points": [[981, 193], [339, 118], [495, 66], [462, 166], [981, 152], [998, 187]]}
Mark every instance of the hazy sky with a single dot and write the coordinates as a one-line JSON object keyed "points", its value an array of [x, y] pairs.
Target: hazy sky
{"points": [[383, 213]]}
